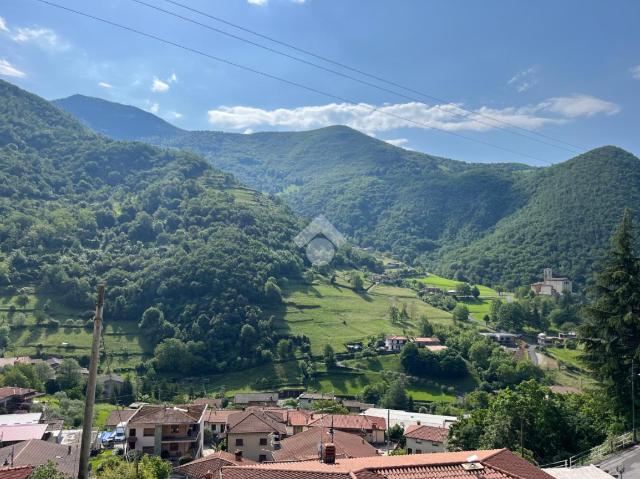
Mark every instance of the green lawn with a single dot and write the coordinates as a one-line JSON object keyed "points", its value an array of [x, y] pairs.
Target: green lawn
{"points": [[440, 282], [335, 314], [570, 357]]}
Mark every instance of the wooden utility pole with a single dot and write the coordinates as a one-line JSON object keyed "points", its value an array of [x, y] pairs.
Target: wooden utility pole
{"points": [[85, 447]]}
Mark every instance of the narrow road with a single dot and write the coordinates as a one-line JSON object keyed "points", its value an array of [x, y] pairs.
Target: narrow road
{"points": [[628, 462], [533, 356]]}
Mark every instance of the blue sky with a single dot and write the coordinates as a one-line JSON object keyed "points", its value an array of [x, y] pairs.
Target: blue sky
{"points": [[569, 70]]}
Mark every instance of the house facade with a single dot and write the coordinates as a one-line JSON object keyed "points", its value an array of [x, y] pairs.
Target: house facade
{"points": [[395, 343], [254, 435], [550, 286], [423, 439], [168, 432]]}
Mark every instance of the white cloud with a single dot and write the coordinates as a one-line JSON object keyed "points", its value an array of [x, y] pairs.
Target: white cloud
{"points": [[248, 131], [44, 37], [371, 118], [635, 72], [154, 107], [7, 69], [172, 79], [299, 2], [105, 85], [3, 25], [173, 115], [257, 2], [580, 105], [524, 80], [159, 86], [398, 142]]}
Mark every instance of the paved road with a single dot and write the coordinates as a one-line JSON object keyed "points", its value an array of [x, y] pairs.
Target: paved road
{"points": [[629, 460], [533, 356]]}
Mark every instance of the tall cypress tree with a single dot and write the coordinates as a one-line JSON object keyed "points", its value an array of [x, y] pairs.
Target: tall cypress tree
{"points": [[611, 332]]}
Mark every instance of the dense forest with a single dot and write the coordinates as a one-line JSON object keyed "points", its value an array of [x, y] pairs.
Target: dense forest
{"points": [[183, 248], [494, 224]]}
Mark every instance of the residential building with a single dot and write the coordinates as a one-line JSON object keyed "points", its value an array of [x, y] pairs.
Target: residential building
{"points": [[306, 399], [494, 464], [14, 419], [355, 407], [37, 453], [306, 445], [254, 435], [111, 384], [168, 432], [395, 343], [508, 340], [432, 344], [117, 417], [405, 419], [423, 439], [371, 428], [256, 399], [14, 399], [216, 421], [211, 464], [21, 432], [550, 286], [212, 403]]}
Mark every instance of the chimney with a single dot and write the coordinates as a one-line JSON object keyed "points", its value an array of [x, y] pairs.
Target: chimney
{"points": [[418, 422], [238, 455], [329, 453]]}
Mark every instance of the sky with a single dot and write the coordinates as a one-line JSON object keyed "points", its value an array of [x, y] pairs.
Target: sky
{"points": [[491, 81]]}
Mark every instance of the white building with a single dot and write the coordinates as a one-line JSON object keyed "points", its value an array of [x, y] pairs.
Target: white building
{"points": [[395, 343], [551, 286], [406, 419]]}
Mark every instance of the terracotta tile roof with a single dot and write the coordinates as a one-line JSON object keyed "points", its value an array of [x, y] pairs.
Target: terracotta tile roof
{"points": [[299, 418], [495, 464], [37, 452], [211, 463], [254, 422], [21, 472], [22, 432], [219, 415], [211, 402], [119, 415], [426, 433], [168, 414], [246, 398], [304, 446], [9, 391], [347, 422], [433, 340]]}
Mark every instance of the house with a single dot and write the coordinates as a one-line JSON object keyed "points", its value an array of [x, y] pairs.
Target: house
{"points": [[20, 472], [256, 399], [550, 286], [431, 290], [355, 407], [14, 399], [37, 453], [306, 399], [254, 435], [494, 464], [306, 445], [216, 421], [422, 439], [507, 340], [54, 363], [21, 432], [371, 428], [168, 432], [405, 419], [296, 421], [211, 464], [432, 344], [118, 416], [14, 419], [111, 384], [213, 403], [395, 343]]}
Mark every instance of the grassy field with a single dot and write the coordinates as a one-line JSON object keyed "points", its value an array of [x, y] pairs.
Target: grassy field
{"points": [[444, 283], [335, 314], [571, 357]]}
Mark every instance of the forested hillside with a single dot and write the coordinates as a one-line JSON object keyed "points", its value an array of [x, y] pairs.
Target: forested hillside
{"points": [[496, 224], [162, 228]]}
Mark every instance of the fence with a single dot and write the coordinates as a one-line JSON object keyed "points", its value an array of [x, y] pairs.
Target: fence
{"points": [[597, 453]]}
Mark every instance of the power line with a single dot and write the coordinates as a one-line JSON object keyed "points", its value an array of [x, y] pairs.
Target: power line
{"points": [[281, 79], [370, 75], [473, 116]]}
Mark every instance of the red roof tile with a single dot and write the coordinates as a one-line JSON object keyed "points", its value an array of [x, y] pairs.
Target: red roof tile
{"points": [[119, 415], [347, 422], [253, 422], [37, 452], [211, 463], [168, 414], [426, 433], [9, 391], [304, 446], [21, 472]]}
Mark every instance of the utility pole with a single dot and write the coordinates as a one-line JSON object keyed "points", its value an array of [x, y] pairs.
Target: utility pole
{"points": [[85, 447], [633, 400]]}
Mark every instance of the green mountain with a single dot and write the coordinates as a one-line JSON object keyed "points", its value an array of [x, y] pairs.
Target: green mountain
{"points": [[489, 223], [161, 228]]}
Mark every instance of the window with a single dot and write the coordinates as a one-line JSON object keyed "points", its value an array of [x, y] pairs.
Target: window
{"points": [[221, 427], [409, 450], [214, 428], [239, 442], [174, 446], [148, 432], [263, 441], [132, 432], [262, 458], [418, 451], [175, 428]]}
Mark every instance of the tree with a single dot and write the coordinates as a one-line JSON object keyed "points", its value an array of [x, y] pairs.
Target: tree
{"points": [[284, 349], [396, 395], [48, 471], [475, 292], [148, 467], [329, 406], [611, 332], [22, 301], [69, 374], [272, 291], [463, 289], [425, 327], [356, 281], [460, 312], [154, 325], [329, 356], [394, 314]]}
